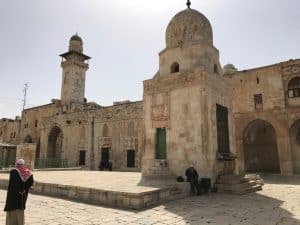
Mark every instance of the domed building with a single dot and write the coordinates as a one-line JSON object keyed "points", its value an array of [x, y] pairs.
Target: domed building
{"points": [[189, 44], [182, 100], [221, 120]]}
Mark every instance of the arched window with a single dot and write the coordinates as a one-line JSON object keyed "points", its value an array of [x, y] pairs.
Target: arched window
{"points": [[216, 70], [294, 88], [105, 130], [28, 139], [131, 128], [175, 67]]}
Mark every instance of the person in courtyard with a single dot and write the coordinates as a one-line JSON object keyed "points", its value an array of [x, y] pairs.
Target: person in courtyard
{"points": [[110, 166], [20, 180], [101, 165], [192, 177]]}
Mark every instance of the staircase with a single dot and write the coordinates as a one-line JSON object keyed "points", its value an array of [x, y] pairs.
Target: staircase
{"points": [[160, 168], [239, 184]]}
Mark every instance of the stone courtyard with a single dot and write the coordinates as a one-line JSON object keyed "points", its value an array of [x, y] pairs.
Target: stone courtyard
{"points": [[277, 204]]}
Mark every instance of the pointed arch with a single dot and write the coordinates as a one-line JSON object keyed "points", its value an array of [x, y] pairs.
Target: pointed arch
{"points": [[260, 147], [55, 140], [105, 130]]}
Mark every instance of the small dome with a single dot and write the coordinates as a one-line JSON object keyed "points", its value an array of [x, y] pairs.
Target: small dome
{"points": [[229, 69], [75, 37], [188, 26]]}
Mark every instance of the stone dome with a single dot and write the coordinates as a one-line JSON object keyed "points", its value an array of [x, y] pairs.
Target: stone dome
{"points": [[75, 37], [188, 26], [229, 69]]}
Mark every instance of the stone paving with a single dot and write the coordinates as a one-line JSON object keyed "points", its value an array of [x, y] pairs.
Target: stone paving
{"points": [[277, 204], [130, 182]]}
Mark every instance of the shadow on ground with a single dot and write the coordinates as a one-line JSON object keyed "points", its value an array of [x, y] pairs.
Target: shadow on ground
{"points": [[222, 209]]}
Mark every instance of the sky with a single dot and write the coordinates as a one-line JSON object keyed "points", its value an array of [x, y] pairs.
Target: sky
{"points": [[124, 39]]}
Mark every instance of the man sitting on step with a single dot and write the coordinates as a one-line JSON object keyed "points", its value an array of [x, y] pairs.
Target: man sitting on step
{"points": [[192, 177]]}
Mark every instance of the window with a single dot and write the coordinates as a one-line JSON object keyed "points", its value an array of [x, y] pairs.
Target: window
{"points": [[258, 101], [81, 158], [216, 69], [294, 88], [130, 158], [222, 129], [175, 67], [36, 123], [161, 145]]}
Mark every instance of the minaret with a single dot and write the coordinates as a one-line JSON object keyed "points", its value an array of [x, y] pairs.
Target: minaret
{"points": [[74, 65]]}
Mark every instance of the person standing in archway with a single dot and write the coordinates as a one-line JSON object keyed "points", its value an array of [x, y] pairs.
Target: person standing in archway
{"points": [[20, 180]]}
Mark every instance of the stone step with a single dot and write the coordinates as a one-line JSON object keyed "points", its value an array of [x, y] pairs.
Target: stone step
{"points": [[242, 191], [239, 184], [229, 181]]}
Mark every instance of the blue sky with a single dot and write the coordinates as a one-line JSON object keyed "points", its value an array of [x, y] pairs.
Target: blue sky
{"points": [[124, 39]]}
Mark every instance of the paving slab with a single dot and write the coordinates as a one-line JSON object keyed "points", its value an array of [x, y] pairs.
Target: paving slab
{"points": [[277, 204], [117, 189]]}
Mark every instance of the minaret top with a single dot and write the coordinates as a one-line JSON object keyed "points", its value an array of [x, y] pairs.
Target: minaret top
{"points": [[188, 3], [75, 37], [75, 46]]}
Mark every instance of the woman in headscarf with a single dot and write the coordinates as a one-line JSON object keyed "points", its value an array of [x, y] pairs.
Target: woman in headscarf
{"points": [[20, 180]]}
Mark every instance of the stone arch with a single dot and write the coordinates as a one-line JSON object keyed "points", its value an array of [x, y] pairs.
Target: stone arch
{"points": [[260, 147], [28, 139], [55, 139], [105, 130], [295, 146], [174, 67]]}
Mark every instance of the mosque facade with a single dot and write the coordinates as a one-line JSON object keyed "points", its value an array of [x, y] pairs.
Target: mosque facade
{"points": [[194, 111]]}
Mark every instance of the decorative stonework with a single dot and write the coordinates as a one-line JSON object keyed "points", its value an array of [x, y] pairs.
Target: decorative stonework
{"points": [[160, 112], [130, 143], [169, 83], [188, 26], [104, 142]]}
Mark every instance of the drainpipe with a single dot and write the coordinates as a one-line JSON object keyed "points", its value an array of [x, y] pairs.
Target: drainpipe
{"points": [[92, 155]]}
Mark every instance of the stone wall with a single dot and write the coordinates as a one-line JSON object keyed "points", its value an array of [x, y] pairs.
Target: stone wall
{"points": [[278, 110], [26, 152], [31, 123], [185, 104], [84, 131], [10, 130]]}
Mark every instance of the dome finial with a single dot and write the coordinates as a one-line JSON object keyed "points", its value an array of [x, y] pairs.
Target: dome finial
{"points": [[188, 3]]}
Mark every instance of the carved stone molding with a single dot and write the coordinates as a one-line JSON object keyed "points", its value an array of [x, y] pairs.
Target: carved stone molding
{"points": [[130, 143], [160, 112], [171, 83], [104, 142], [291, 70]]}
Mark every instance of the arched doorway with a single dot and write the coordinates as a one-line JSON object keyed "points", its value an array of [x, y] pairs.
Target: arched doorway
{"points": [[55, 138], [28, 139], [295, 146], [260, 148]]}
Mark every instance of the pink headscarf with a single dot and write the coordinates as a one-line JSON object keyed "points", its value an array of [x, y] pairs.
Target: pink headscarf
{"points": [[23, 171]]}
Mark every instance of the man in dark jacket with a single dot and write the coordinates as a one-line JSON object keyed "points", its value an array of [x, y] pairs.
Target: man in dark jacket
{"points": [[20, 180], [192, 177]]}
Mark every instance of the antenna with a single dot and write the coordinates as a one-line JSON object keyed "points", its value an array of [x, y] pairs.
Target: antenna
{"points": [[26, 86]]}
